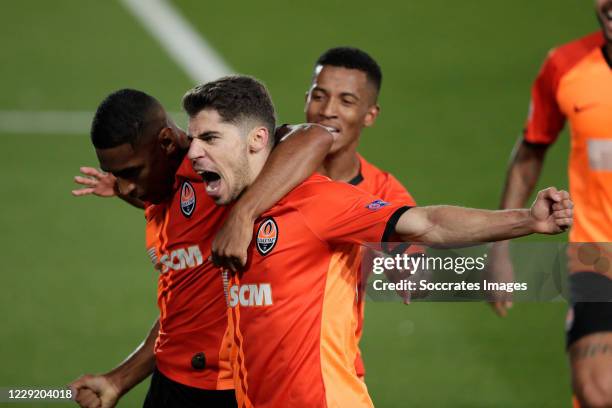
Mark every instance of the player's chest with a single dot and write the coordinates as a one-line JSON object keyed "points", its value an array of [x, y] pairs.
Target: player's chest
{"points": [[585, 97], [179, 232], [286, 263]]}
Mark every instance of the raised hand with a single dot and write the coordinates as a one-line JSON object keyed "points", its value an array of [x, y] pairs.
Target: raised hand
{"points": [[96, 182]]}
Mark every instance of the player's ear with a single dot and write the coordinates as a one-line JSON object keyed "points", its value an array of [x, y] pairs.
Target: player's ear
{"points": [[168, 140], [306, 101], [258, 139], [371, 115]]}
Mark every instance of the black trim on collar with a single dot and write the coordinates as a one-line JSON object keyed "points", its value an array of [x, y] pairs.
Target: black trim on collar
{"points": [[357, 179]]}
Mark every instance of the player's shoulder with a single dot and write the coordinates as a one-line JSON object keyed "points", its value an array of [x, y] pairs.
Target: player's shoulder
{"points": [[383, 184], [565, 56], [321, 187]]}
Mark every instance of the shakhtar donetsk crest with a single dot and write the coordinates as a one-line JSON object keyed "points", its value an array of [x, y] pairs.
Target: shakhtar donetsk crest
{"points": [[188, 199], [267, 235]]}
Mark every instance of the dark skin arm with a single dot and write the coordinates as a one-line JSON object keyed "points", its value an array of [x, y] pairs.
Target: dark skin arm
{"points": [[591, 359], [104, 390], [522, 176], [299, 155]]}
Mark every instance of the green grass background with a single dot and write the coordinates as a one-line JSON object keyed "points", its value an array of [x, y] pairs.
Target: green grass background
{"points": [[78, 289]]}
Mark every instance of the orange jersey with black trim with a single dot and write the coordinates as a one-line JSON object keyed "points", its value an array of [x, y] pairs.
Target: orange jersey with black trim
{"points": [[575, 85], [191, 346], [292, 312], [380, 184]]}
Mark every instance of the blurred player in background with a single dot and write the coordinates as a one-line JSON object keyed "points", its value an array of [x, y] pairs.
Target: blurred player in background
{"points": [[292, 309], [343, 96], [575, 85], [144, 153]]}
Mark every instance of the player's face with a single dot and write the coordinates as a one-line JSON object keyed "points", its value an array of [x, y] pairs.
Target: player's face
{"points": [[219, 153], [344, 100], [604, 15], [143, 171]]}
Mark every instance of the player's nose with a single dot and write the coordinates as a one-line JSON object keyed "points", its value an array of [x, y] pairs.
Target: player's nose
{"points": [[328, 109], [197, 150]]}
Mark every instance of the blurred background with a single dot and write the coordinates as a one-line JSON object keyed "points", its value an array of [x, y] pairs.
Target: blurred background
{"points": [[78, 288]]}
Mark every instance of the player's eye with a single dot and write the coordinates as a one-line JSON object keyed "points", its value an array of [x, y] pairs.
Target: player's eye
{"points": [[130, 173], [208, 138], [316, 97], [348, 102]]}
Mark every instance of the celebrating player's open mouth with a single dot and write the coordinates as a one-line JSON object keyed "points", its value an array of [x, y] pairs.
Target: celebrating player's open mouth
{"points": [[212, 178], [213, 182]]}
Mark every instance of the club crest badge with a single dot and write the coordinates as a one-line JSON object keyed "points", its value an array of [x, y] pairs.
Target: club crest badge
{"points": [[376, 204], [267, 235], [188, 199]]}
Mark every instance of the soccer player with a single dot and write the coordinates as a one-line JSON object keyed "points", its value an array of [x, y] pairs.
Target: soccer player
{"points": [[186, 351], [575, 85], [291, 311], [344, 97]]}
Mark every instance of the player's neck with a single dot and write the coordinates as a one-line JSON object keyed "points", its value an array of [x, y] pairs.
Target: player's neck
{"points": [[256, 163], [343, 165]]}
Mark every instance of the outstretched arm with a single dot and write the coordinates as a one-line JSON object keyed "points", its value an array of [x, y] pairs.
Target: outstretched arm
{"points": [[299, 155], [551, 213]]}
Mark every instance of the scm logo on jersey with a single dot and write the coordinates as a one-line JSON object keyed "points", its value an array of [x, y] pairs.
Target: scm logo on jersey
{"points": [[188, 199], [179, 259], [267, 235], [250, 295]]}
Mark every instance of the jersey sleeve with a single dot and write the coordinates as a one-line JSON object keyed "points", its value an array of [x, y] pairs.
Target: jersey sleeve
{"points": [[340, 213], [545, 119]]}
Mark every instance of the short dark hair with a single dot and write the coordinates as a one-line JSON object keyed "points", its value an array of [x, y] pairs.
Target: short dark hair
{"points": [[235, 98], [122, 117], [353, 58]]}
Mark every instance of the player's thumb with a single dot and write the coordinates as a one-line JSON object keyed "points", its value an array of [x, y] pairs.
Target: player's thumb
{"points": [[76, 385], [80, 382], [551, 193]]}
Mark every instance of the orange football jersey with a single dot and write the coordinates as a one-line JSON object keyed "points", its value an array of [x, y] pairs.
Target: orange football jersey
{"points": [[190, 348], [575, 85], [292, 313]]}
